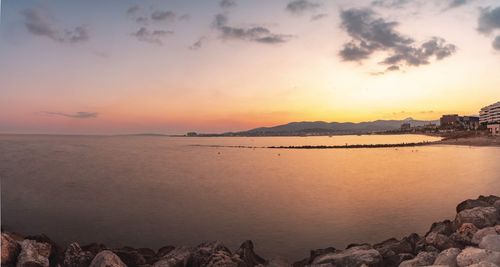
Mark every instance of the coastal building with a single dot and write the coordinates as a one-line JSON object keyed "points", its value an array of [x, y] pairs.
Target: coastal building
{"points": [[490, 114], [494, 129], [469, 122], [449, 121]]}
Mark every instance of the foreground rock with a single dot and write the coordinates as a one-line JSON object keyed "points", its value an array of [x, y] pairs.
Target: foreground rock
{"points": [[471, 239], [33, 254], [107, 258]]}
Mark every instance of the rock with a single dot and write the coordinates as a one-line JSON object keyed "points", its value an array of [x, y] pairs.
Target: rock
{"points": [[130, 256], [279, 262], [76, 257], [10, 249], [56, 252], [223, 258], [322, 251], [175, 258], [478, 236], [439, 241], [422, 259], [94, 248], [203, 252], [445, 227], [484, 264], [248, 256], [106, 258], [480, 216], [403, 246], [164, 251], [353, 256], [490, 242], [490, 199], [473, 255], [447, 257], [33, 254], [497, 205], [464, 234], [471, 203]]}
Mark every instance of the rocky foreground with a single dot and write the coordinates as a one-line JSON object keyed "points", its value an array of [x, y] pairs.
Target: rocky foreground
{"points": [[471, 239]]}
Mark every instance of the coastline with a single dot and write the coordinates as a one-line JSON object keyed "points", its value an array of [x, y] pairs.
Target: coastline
{"points": [[471, 239]]}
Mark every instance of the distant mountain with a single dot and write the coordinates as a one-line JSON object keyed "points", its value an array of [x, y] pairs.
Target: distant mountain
{"points": [[321, 127]]}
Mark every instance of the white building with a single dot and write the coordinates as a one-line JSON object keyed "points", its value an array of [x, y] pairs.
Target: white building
{"points": [[494, 129], [490, 114]]}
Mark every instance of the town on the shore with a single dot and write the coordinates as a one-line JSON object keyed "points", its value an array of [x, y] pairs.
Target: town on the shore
{"points": [[488, 120]]}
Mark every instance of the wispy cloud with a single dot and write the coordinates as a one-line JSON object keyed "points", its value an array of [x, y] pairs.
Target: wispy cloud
{"points": [[76, 115], [154, 37], [258, 34], [318, 16], [299, 7], [198, 44], [370, 33], [40, 22], [227, 3]]}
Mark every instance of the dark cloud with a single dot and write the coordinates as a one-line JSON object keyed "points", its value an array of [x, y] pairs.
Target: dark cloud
{"points": [[401, 3], [227, 3], [198, 44], [134, 10], [496, 43], [370, 34], [390, 3], [163, 15], [318, 16], [77, 115], [457, 3], [489, 20], [39, 22], [258, 34], [299, 7], [151, 36]]}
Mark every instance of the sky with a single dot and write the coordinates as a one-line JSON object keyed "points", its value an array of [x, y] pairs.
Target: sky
{"points": [[173, 66]]}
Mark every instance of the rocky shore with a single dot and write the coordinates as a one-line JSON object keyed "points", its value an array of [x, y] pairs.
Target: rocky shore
{"points": [[471, 239]]}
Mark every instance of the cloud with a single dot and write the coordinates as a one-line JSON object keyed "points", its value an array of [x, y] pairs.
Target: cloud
{"points": [[227, 3], [163, 15], [154, 37], [496, 43], [198, 44], [457, 3], [133, 10], [489, 20], [41, 23], [299, 7], [258, 34], [318, 16], [77, 115], [390, 3], [370, 34]]}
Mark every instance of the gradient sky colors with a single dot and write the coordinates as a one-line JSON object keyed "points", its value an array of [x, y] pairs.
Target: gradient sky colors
{"points": [[94, 66]]}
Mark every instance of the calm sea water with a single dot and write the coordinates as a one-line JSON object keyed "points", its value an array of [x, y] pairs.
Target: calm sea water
{"points": [[154, 191]]}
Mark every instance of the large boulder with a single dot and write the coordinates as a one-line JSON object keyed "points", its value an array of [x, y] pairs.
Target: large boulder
{"points": [[33, 254], [106, 258], [203, 253], [478, 236], [422, 259], [471, 203], [56, 252], [445, 227], [483, 264], [473, 255], [136, 257], [175, 258], [490, 199], [464, 234], [279, 262], [74, 256], [448, 257], [439, 241], [247, 254], [10, 249], [480, 216], [353, 256], [497, 205], [490, 242]]}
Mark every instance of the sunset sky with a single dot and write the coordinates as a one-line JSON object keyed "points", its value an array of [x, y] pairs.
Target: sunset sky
{"points": [[172, 66]]}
